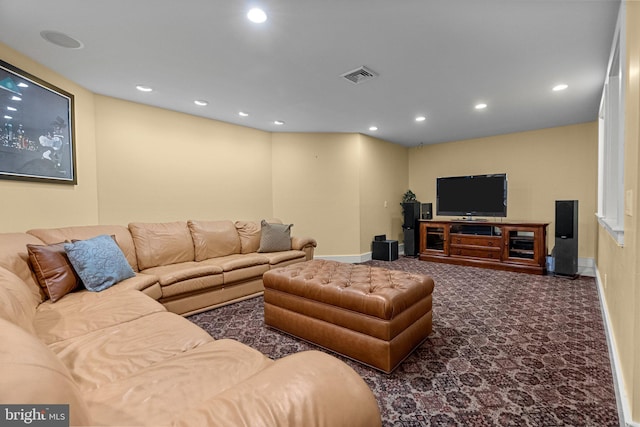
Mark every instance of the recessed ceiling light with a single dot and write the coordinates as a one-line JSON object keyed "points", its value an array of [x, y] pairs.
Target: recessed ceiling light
{"points": [[560, 87], [421, 119], [61, 39], [16, 98], [201, 103], [8, 117], [143, 88], [243, 114], [257, 15], [21, 84], [481, 106], [373, 128], [12, 109], [278, 122]]}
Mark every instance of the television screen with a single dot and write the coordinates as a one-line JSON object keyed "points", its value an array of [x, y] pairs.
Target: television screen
{"points": [[474, 195]]}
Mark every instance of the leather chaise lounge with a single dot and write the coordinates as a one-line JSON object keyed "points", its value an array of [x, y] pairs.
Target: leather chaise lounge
{"points": [[122, 356]]}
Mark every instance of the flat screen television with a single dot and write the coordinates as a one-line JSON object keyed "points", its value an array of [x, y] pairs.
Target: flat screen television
{"points": [[473, 195]]}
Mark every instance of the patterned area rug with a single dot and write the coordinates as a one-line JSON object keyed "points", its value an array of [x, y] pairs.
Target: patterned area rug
{"points": [[507, 349]]}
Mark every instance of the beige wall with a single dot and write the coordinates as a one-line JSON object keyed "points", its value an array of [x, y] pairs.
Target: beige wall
{"points": [[334, 186], [384, 175], [33, 204], [159, 165], [316, 187], [618, 265], [542, 166]]}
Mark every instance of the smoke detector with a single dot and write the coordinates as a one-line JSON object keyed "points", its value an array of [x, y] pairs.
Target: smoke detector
{"points": [[360, 75]]}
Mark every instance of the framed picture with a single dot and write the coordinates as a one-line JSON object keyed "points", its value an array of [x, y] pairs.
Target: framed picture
{"points": [[37, 140]]}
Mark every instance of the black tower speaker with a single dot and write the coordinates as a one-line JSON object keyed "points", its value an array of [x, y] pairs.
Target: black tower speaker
{"points": [[410, 241], [410, 227], [411, 214], [427, 212], [566, 248]]}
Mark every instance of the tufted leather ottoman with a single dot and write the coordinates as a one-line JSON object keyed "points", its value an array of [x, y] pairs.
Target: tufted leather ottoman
{"points": [[374, 315]]}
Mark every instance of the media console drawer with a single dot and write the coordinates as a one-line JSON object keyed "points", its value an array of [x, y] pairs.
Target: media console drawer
{"points": [[464, 239], [476, 252]]}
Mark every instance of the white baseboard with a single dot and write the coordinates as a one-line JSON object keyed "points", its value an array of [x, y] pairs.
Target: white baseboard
{"points": [[351, 259], [587, 267], [622, 400]]}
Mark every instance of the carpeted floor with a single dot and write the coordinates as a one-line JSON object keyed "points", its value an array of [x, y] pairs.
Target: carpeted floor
{"points": [[507, 349]]}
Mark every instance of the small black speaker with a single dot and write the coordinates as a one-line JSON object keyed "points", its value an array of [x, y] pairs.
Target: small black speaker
{"points": [[427, 212], [384, 250], [411, 214], [566, 247]]}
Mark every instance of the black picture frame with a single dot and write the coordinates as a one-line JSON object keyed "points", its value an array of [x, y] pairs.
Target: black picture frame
{"points": [[37, 133]]}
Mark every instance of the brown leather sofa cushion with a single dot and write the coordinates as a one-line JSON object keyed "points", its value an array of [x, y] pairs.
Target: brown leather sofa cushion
{"points": [[17, 302], [302, 389], [32, 374], [53, 270], [213, 239], [120, 233], [249, 232], [84, 312], [162, 243], [15, 258]]}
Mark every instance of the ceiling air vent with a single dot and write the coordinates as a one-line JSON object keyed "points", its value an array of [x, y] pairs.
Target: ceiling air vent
{"points": [[360, 75]]}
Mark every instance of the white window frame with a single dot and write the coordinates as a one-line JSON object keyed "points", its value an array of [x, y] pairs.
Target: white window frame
{"points": [[611, 195]]}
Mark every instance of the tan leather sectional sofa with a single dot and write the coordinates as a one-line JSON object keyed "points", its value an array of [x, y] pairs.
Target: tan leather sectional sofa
{"points": [[121, 357], [191, 266]]}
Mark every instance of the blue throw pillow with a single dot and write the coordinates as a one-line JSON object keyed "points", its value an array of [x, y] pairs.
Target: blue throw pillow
{"points": [[99, 262]]}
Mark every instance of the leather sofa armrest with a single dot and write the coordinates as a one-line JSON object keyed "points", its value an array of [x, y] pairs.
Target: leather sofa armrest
{"points": [[299, 243], [306, 244], [310, 389]]}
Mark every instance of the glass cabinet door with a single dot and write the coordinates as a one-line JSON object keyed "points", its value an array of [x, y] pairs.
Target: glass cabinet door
{"points": [[435, 237], [520, 245]]}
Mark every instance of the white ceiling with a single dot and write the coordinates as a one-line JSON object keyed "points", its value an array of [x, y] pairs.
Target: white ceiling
{"points": [[436, 58]]}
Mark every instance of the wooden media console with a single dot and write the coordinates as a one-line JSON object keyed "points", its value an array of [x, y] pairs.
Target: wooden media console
{"points": [[512, 246]]}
